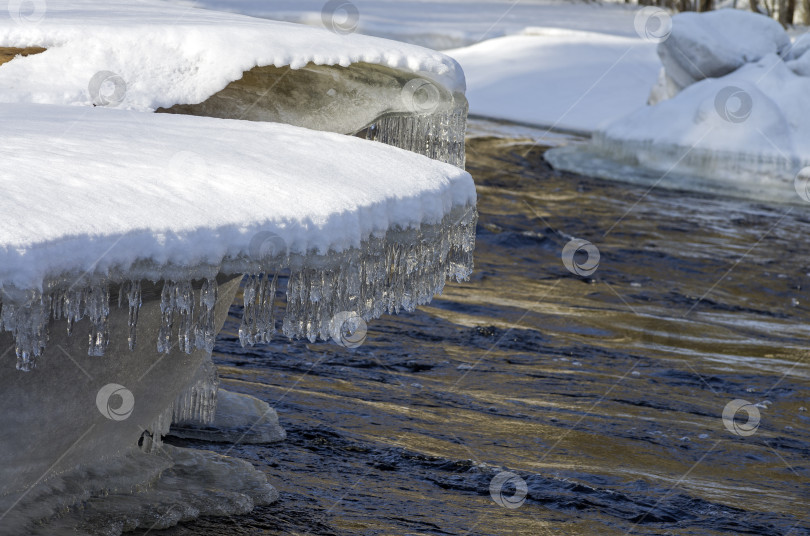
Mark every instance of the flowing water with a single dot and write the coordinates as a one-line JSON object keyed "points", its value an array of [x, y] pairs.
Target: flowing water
{"points": [[603, 394]]}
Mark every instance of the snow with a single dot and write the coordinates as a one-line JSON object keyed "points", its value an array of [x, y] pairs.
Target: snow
{"points": [[98, 188], [166, 54], [567, 79], [442, 24], [574, 66], [798, 60], [753, 118], [713, 44], [742, 133]]}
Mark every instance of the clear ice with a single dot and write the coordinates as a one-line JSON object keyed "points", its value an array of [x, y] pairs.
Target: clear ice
{"points": [[763, 176]]}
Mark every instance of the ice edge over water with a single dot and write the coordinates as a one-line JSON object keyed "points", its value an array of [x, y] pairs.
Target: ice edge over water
{"points": [[438, 136], [765, 176], [400, 270]]}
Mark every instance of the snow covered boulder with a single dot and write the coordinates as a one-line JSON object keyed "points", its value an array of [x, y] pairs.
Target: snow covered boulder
{"points": [[716, 43], [153, 55], [743, 133], [798, 60]]}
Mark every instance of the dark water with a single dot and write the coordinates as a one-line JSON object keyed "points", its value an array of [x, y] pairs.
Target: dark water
{"points": [[604, 394]]}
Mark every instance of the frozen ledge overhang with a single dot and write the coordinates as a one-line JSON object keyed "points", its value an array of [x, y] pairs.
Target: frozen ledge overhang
{"points": [[96, 199]]}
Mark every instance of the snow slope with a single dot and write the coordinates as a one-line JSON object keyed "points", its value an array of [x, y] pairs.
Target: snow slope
{"points": [[438, 24], [163, 54], [98, 188], [562, 78]]}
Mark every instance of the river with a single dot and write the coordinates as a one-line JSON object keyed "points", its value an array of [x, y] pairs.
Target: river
{"points": [[598, 397]]}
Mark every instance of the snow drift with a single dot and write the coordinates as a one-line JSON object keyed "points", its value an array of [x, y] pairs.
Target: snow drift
{"points": [[743, 129]]}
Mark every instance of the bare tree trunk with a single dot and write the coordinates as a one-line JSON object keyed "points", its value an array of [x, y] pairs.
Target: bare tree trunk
{"points": [[806, 12], [756, 8], [704, 5], [786, 11]]}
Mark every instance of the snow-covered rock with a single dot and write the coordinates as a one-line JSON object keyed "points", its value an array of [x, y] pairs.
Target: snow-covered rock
{"points": [[798, 60], [716, 43], [99, 189], [743, 133], [115, 196], [163, 54], [163, 214]]}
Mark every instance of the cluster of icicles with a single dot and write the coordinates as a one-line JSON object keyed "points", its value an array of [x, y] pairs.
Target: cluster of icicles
{"points": [[439, 136], [195, 405], [400, 270]]}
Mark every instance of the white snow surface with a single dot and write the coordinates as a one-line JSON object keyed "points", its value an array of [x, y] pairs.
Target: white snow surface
{"points": [[169, 54], [757, 110], [89, 189], [439, 24], [566, 79], [715, 43], [542, 62]]}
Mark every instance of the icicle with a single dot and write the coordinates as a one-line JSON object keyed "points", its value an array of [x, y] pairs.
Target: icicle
{"points": [[133, 293], [197, 403], [152, 438], [258, 320], [400, 271], [185, 308], [438, 136], [168, 303], [28, 323], [97, 309], [72, 311], [204, 330]]}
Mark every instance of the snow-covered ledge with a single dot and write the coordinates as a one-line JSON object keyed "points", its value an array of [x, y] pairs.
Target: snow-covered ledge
{"points": [[154, 56]]}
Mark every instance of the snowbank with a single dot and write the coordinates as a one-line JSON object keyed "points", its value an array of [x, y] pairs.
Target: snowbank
{"points": [[162, 54], [563, 78], [92, 189], [743, 133], [738, 129]]}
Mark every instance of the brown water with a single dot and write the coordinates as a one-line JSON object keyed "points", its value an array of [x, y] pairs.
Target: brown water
{"points": [[604, 394]]}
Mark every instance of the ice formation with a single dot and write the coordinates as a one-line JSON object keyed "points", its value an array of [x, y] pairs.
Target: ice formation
{"points": [[139, 492], [126, 235], [740, 130], [398, 108], [239, 419]]}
